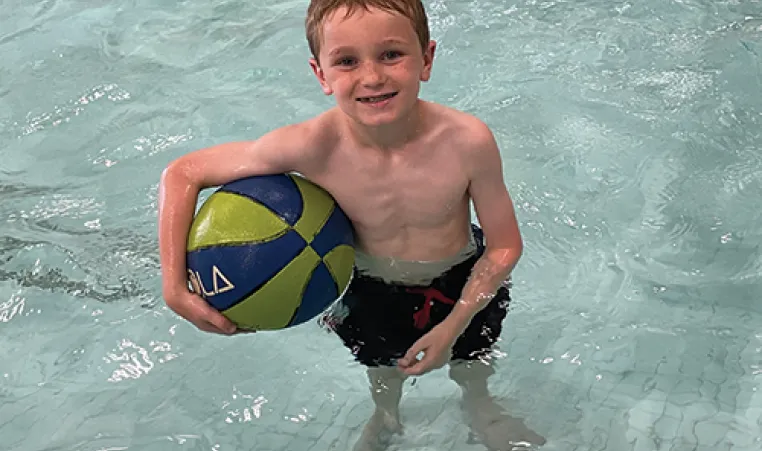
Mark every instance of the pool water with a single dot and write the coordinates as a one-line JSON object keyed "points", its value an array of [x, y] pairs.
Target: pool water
{"points": [[631, 134]]}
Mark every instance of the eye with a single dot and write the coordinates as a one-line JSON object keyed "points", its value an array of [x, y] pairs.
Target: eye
{"points": [[392, 54], [345, 61]]}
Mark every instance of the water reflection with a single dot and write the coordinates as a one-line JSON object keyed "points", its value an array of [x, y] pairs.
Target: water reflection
{"points": [[135, 361]]}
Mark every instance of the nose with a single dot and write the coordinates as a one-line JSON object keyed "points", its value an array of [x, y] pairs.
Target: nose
{"points": [[372, 74]]}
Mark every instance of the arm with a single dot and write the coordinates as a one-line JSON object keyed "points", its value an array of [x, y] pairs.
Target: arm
{"points": [[282, 150], [496, 214], [494, 209]]}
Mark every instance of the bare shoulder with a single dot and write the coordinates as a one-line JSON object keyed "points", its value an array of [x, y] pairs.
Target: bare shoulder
{"points": [[464, 135], [317, 133], [306, 144], [468, 131], [324, 126]]}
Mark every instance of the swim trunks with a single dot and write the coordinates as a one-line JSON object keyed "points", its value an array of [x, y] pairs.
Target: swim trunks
{"points": [[380, 321]]}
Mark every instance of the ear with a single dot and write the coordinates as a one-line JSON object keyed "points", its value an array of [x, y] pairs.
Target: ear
{"points": [[428, 60], [318, 71]]}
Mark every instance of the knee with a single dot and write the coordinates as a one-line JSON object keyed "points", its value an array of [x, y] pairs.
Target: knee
{"points": [[385, 376], [464, 372]]}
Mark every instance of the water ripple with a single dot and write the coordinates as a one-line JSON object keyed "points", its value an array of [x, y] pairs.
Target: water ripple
{"points": [[85, 253], [12, 307], [62, 114], [134, 361]]}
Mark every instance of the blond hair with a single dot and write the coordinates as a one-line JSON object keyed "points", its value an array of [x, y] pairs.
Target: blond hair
{"points": [[319, 10]]}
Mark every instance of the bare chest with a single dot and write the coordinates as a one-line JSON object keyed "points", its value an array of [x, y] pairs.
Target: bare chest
{"points": [[423, 190]]}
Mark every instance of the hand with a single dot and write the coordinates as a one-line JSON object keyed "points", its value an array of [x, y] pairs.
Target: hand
{"points": [[436, 346], [202, 315]]}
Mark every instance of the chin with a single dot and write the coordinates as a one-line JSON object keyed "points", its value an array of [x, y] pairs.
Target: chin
{"points": [[378, 121], [387, 117]]}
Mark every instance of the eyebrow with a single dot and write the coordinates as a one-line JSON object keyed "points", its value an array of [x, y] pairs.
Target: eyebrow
{"points": [[339, 50]]}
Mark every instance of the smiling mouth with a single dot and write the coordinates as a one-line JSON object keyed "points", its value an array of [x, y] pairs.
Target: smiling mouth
{"points": [[376, 98]]}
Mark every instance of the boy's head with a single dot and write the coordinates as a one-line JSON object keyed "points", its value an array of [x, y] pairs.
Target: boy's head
{"points": [[319, 10], [371, 55]]}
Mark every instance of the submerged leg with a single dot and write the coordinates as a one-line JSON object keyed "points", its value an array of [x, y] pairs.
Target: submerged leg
{"points": [[496, 429], [386, 391]]}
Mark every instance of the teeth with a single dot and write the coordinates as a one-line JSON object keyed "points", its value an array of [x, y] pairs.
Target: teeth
{"points": [[376, 98]]}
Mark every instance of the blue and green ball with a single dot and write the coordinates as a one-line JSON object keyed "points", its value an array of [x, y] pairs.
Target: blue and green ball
{"points": [[270, 252]]}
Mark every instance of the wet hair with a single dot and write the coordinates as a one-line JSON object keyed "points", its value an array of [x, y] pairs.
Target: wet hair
{"points": [[319, 10]]}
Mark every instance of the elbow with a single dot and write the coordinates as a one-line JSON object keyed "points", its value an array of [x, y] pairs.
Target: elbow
{"points": [[506, 258], [179, 171], [519, 248], [513, 253], [177, 181]]}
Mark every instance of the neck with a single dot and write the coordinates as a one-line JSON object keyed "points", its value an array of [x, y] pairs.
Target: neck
{"points": [[389, 136]]}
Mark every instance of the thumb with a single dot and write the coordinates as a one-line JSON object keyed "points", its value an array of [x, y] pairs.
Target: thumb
{"points": [[411, 356]]}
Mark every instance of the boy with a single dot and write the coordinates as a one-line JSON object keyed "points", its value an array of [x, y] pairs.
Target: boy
{"points": [[405, 171]]}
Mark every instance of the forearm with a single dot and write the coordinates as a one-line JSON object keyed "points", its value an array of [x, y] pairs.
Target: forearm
{"points": [[488, 274], [179, 186], [177, 201]]}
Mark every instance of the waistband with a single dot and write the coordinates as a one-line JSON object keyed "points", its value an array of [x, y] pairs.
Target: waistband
{"points": [[408, 272]]}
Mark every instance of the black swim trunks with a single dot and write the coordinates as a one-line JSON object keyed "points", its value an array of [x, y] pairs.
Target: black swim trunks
{"points": [[382, 321]]}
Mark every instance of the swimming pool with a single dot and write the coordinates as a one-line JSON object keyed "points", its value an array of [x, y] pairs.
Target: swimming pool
{"points": [[632, 140]]}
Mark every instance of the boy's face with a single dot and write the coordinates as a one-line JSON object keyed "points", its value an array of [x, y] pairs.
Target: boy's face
{"points": [[373, 63]]}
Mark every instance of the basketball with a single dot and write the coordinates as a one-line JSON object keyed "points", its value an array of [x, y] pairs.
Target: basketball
{"points": [[270, 252]]}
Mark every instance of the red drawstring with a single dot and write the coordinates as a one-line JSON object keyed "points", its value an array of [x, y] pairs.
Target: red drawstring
{"points": [[421, 317]]}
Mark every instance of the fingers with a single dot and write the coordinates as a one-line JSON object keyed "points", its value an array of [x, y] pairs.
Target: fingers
{"points": [[195, 310], [206, 318], [411, 356], [420, 367], [206, 326], [411, 365], [220, 322], [434, 356], [244, 331]]}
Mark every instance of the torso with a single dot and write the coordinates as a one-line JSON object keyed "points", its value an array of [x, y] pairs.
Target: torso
{"points": [[409, 203]]}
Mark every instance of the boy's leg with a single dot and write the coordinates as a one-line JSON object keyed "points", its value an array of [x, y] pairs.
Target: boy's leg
{"points": [[386, 390], [496, 429], [471, 367], [367, 320]]}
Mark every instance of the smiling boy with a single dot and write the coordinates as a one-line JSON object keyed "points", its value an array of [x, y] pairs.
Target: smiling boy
{"points": [[405, 171]]}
